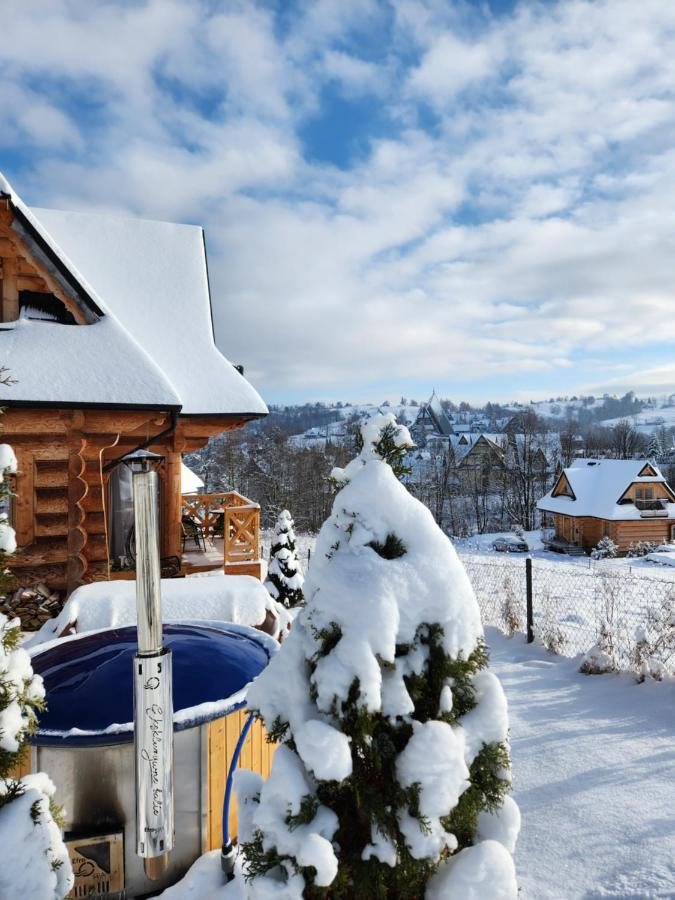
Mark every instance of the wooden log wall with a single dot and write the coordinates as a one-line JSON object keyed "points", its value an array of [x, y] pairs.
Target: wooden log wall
{"points": [[623, 533], [61, 491]]}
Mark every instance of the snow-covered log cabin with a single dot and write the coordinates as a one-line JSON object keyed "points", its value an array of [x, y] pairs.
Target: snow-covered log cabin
{"points": [[106, 331], [627, 500]]}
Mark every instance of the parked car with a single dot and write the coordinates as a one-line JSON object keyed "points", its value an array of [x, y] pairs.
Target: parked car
{"points": [[510, 543]]}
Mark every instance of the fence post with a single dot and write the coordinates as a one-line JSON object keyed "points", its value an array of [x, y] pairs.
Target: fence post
{"points": [[528, 598]]}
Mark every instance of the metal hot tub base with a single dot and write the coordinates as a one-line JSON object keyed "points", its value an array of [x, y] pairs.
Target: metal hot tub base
{"points": [[88, 680]]}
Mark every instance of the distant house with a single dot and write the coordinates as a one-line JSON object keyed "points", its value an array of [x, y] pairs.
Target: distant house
{"points": [[106, 328], [432, 421], [626, 500], [479, 456]]}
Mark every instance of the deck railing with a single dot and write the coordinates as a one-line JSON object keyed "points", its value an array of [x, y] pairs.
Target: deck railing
{"points": [[232, 516], [657, 507]]}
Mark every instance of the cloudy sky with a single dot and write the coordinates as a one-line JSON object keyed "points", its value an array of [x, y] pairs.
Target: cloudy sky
{"points": [[397, 194]]}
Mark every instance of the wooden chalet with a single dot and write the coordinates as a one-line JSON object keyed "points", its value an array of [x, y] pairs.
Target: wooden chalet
{"points": [[626, 500], [106, 330], [432, 421], [480, 452]]}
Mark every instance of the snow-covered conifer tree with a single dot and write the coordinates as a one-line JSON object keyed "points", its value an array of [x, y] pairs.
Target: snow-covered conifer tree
{"points": [[393, 769], [654, 449], [284, 577], [36, 862], [605, 549]]}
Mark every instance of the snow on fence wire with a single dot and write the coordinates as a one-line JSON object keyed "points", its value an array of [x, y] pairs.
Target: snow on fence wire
{"points": [[570, 603]]}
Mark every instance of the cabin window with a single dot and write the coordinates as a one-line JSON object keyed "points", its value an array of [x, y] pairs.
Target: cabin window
{"points": [[121, 541], [644, 493], [44, 308], [120, 515], [606, 529]]}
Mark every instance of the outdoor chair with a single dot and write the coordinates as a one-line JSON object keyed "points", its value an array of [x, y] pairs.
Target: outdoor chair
{"points": [[193, 531]]}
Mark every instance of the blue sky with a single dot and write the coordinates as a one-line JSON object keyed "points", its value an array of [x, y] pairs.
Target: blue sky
{"points": [[471, 196]]}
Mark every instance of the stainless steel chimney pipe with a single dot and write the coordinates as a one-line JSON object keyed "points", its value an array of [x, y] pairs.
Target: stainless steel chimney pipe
{"points": [[153, 701]]}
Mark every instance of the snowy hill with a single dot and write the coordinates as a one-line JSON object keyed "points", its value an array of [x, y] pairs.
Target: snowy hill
{"points": [[651, 418]]}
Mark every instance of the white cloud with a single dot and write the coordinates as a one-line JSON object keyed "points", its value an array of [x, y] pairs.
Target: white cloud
{"points": [[528, 226], [656, 380], [449, 65], [356, 76]]}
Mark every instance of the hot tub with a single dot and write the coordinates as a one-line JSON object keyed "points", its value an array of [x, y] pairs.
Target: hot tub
{"points": [[85, 744]]}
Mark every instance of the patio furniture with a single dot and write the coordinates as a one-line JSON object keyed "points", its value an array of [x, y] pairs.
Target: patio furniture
{"points": [[193, 531]]}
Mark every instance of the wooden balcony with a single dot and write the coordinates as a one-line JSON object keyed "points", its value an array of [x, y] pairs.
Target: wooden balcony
{"points": [[230, 526], [652, 508]]}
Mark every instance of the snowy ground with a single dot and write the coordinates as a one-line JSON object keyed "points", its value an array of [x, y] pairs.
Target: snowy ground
{"points": [[593, 761], [481, 545]]}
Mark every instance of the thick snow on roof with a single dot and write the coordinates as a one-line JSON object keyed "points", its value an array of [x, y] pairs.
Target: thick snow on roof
{"points": [[152, 277], [154, 344], [190, 482], [96, 363], [598, 484]]}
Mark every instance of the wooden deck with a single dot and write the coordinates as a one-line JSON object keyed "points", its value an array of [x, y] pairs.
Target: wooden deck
{"points": [[238, 519], [194, 560]]}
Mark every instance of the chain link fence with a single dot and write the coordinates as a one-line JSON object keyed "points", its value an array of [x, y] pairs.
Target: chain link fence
{"points": [[573, 608]]}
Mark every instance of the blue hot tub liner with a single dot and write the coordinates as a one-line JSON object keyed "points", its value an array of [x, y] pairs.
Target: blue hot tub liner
{"points": [[89, 686]]}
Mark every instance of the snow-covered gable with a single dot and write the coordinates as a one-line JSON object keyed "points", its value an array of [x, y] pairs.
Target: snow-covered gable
{"points": [[153, 345], [598, 485]]}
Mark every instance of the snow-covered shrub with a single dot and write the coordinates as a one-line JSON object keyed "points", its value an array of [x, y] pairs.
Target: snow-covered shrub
{"points": [[393, 769], [643, 661], [641, 548], [653, 653], [36, 861], [600, 659], [548, 628], [511, 608], [7, 536], [605, 549], [284, 577]]}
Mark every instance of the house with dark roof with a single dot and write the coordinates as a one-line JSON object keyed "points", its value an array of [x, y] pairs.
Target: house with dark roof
{"points": [[431, 421], [106, 331], [626, 500]]}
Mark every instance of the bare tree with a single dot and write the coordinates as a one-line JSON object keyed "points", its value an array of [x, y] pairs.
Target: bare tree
{"points": [[627, 441]]}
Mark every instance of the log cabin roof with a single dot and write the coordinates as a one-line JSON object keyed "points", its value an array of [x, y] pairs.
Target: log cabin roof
{"points": [[143, 288], [598, 485]]}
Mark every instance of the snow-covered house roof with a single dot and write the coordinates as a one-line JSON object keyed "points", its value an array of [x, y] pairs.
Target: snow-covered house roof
{"points": [[144, 292], [190, 482], [596, 487]]}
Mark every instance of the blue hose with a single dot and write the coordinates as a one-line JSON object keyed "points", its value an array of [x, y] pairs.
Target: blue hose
{"points": [[227, 854]]}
